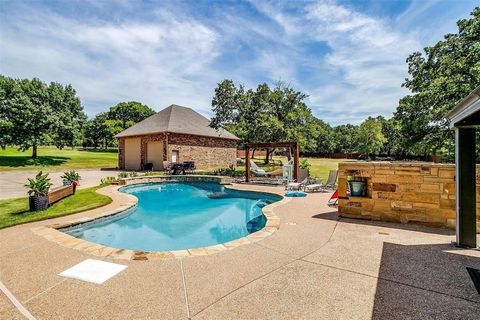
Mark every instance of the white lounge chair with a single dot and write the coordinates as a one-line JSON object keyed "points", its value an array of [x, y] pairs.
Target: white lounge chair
{"points": [[331, 181], [316, 186], [296, 185], [257, 170]]}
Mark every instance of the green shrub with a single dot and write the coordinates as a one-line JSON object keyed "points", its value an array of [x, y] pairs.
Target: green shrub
{"points": [[122, 175], [71, 176], [133, 174], [304, 164], [228, 172], [107, 180], [153, 173], [39, 186]]}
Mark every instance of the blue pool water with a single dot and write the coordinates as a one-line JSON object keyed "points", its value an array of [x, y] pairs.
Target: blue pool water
{"points": [[173, 216]]}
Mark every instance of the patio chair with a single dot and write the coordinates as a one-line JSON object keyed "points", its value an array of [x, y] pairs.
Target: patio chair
{"points": [[167, 167], [333, 201], [257, 170], [331, 181], [291, 186], [303, 178], [189, 167], [315, 186]]}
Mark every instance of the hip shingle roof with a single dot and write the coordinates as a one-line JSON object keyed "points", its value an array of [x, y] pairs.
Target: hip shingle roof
{"points": [[176, 119]]}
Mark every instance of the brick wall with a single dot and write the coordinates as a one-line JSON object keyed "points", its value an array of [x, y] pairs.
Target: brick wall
{"points": [[402, 192], [121, 153], [258, 153], [207, 152]]}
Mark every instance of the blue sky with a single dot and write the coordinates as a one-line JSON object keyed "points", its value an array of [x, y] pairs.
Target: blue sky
{"points": [[348, 56]]}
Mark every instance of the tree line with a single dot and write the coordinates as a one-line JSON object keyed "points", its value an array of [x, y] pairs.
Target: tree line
{"points": [[34, 113], [438, 79], [100, 131]]}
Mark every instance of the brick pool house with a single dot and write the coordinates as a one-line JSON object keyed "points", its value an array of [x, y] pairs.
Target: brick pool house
{"points": [[175, 134]]}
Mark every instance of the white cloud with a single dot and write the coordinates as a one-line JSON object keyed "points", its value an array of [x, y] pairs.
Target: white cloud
{"points": [[366, 57], [152, 62], [351, 64]]}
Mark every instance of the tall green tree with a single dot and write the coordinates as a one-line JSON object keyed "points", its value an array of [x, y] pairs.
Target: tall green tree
{"points": [[70, 117], [129, 112], [369, 137], [264, 114], [326, 137], [345, 138], [8, 89], [439, 79], [29, 112], [391, 132], [33, 113]]}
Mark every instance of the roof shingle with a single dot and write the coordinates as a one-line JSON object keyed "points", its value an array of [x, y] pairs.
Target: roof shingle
{"points": [[176, 119]]}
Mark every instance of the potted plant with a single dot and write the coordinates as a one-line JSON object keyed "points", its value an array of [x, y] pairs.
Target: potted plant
{"points": [[38, 191], [304, 168], [357, 187], [71, 177]]}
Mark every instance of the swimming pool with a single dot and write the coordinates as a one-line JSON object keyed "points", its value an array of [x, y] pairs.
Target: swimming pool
{"points": [[178, 215]]}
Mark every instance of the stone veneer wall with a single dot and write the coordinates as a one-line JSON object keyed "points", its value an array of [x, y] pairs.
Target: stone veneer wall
{"points": [[421, 193], [207, 152]]}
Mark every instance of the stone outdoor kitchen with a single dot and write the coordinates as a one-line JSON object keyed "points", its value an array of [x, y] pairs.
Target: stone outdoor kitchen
{"points": [[175, 134], [422, 193]]}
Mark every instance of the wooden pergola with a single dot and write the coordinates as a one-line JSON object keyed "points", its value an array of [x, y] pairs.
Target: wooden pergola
{"points": [[464, 119], [292, 145]]}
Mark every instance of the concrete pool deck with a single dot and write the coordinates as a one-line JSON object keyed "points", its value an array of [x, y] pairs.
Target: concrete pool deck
{"points": [[315, 266]]}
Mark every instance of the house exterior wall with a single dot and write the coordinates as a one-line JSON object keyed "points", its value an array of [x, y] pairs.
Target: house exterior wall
{"points": [[207, 152], [421, 193], [131, 152], [155, 155]]}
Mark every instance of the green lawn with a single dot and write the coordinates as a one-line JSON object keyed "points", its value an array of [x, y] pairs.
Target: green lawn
{"points": [[320, 167], [51, 158], [15, 211]]}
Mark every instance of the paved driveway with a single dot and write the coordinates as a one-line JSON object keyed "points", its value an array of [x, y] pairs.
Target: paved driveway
{"points": [[12, 182]]}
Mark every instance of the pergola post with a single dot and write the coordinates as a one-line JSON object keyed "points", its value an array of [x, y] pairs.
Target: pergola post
{"points": [[247, 164], [465, 186], [296, 156]]}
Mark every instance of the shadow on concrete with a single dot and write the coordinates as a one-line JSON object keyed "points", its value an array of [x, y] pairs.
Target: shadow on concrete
{"points": [[333, 215], [426, 282]]}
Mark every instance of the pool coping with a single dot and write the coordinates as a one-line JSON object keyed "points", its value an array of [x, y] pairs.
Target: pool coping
{"points": [[126, 201]]}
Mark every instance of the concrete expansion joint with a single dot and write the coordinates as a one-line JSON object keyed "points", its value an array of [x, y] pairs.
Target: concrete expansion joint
{"points": [[185, 289], [17, 304], [391, 281], [44, 291], [270, 272]]}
